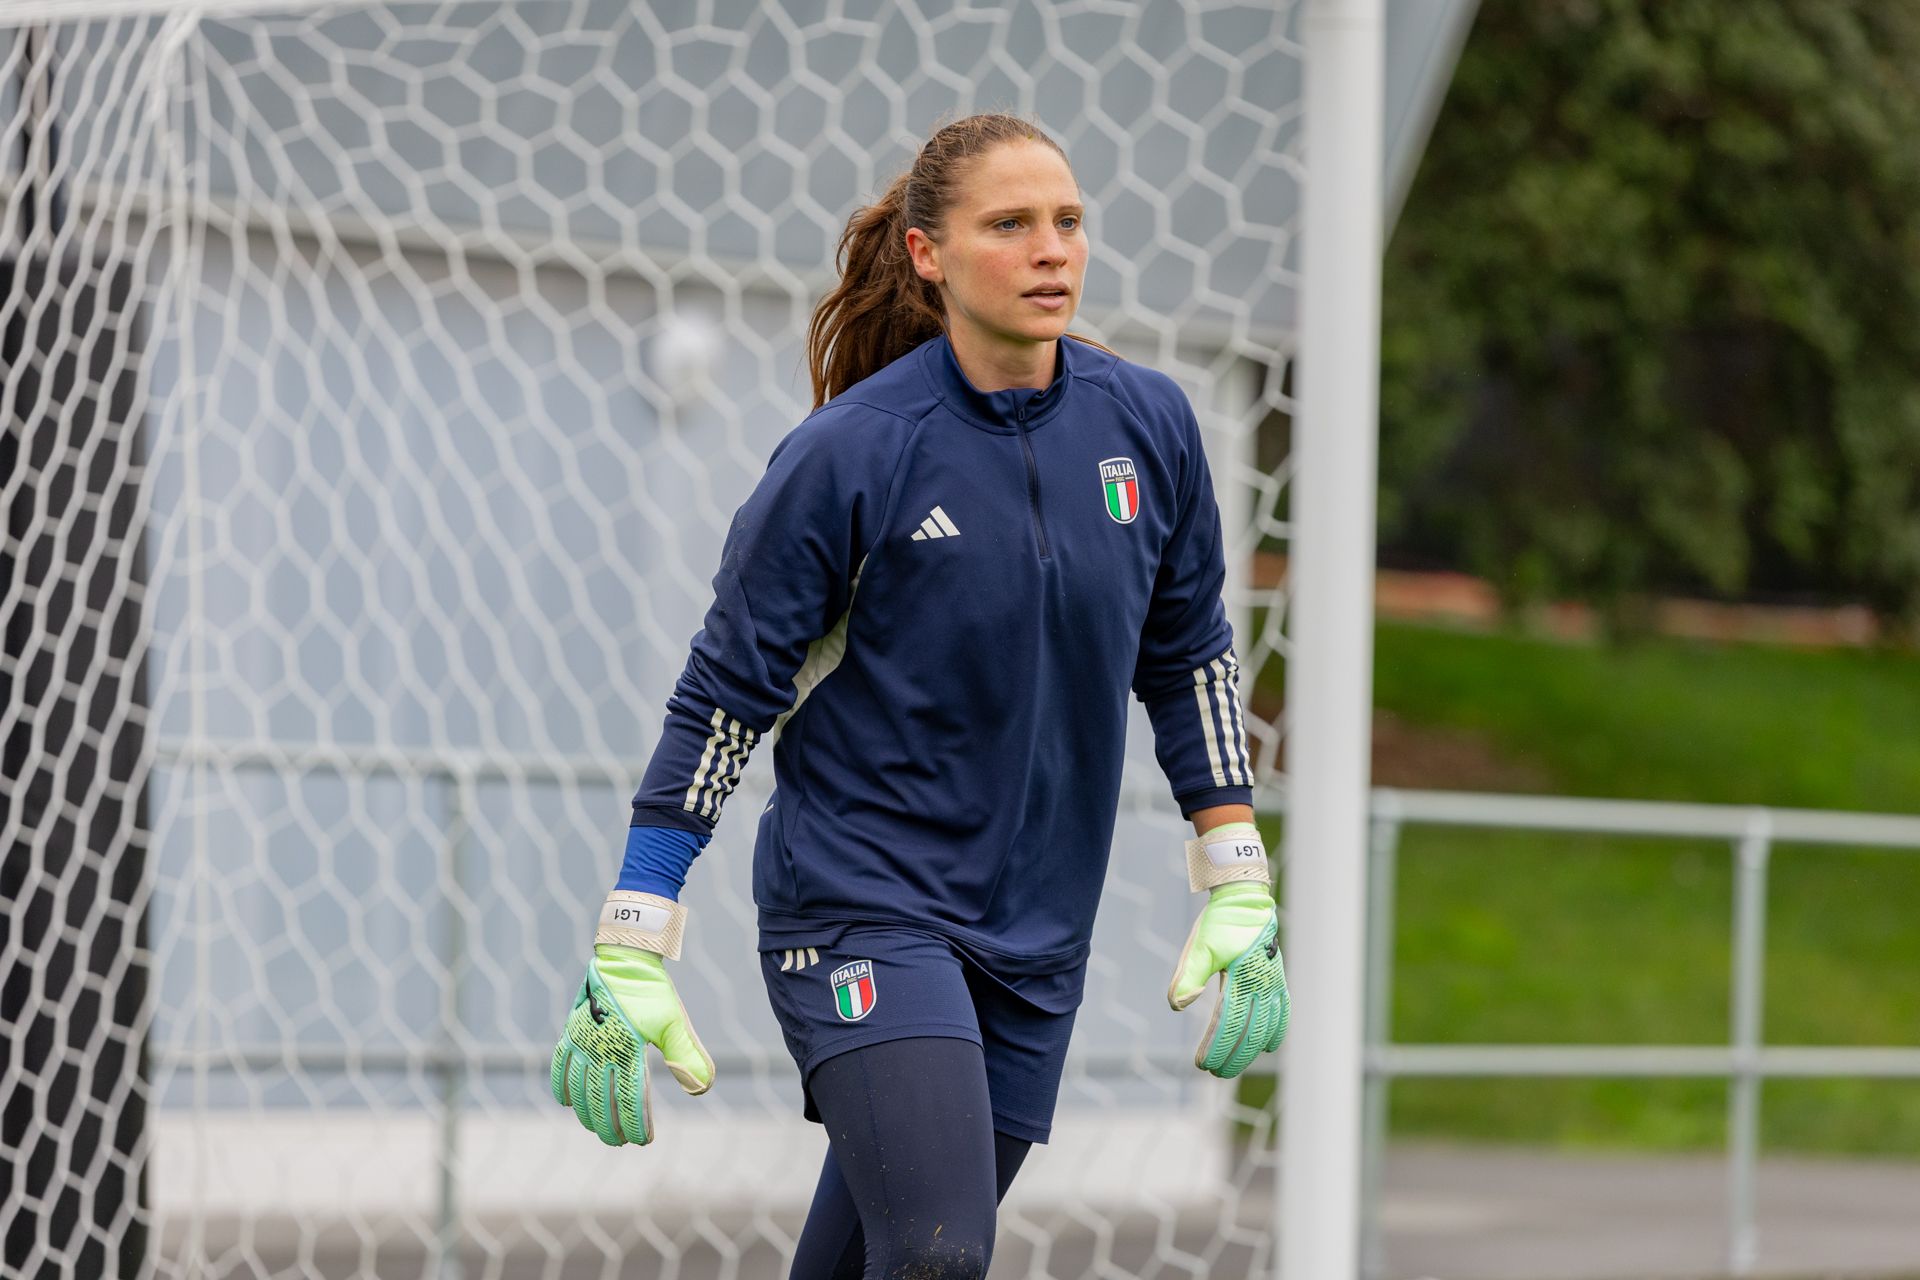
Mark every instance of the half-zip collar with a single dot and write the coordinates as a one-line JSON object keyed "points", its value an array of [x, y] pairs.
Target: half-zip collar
{"points": [[1001, 411]]}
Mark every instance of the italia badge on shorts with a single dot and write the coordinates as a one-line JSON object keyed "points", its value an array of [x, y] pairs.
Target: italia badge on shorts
{"points": [[1122, 485], [853, 992]]}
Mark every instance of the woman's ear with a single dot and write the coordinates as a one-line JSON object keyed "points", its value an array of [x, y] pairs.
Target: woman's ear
{"points": [[925, 255]]}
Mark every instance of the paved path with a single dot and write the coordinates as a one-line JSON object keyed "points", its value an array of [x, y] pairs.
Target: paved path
{"points": [[1449, 1214], [1458, 1214]]}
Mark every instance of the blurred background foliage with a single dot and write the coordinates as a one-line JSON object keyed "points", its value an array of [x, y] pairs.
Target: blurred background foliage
{"points": [[1652, 327], [1652, 310]]}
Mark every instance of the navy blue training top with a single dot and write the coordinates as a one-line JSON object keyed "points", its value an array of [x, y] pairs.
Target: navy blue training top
{"points": [[942, 596]]}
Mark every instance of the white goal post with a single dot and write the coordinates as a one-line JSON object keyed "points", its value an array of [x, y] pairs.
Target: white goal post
{"points": [[376, 383]]}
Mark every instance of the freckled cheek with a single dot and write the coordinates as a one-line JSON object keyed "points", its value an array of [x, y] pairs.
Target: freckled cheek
{"points": [[1002, 271]]}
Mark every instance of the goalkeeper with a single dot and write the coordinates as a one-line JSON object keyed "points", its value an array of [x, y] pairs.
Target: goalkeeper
{"points": [[953, 572]]}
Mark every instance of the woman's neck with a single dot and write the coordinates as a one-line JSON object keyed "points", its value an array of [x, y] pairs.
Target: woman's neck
{"points": [[1000, 366]]}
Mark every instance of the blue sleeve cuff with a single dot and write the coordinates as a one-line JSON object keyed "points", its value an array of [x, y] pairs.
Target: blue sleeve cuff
{"points": [[1213, 796], [656, 815], [657, 860]]}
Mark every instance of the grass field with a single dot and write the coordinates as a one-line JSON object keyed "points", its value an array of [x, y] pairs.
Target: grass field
{"points": [[1536, 938]]}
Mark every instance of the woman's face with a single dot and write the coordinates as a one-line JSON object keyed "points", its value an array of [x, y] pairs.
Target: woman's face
{"points": [[1011, 258]]}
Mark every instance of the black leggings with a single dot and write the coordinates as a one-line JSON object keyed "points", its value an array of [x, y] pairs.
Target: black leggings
{"points": [[914, 1167]]}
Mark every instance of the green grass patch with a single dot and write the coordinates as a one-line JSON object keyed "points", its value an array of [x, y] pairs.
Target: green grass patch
{"points": [[1519, 937], [1539, 938], [1559, 939], [1671, 720]]}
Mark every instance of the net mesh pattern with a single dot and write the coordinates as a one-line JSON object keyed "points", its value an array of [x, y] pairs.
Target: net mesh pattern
{"points": [[377, 384]]}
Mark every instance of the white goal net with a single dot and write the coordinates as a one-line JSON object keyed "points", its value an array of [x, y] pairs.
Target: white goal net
{"points": [[376, 384]]}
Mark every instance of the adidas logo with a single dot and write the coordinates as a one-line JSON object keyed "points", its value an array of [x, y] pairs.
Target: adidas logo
{"points": [[795, 961], [937, 525]]}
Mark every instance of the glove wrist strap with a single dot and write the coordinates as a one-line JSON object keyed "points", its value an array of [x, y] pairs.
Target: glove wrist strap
{"points": [[1226, 857], [644, 921]]}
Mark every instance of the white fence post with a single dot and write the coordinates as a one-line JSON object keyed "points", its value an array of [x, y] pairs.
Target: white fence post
{"points": [[1743, 1093]]}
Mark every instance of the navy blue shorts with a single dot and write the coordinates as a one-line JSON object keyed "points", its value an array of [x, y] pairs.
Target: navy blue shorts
{"points": [[873, 983]]}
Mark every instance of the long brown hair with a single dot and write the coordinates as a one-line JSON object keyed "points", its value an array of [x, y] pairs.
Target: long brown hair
{"points": [[881, 308]]}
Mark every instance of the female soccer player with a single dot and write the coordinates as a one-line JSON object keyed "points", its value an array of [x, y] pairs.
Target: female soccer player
{"points": [[941, 592]]}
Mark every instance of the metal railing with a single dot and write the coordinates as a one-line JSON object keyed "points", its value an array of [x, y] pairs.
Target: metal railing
{"points": [[1745, 1061]]}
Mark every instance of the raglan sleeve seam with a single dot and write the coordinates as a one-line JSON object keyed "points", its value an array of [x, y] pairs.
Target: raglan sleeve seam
{"points": [[741, 668]]}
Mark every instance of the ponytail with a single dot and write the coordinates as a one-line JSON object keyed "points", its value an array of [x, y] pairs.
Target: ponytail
{"points": [[881, 308]]}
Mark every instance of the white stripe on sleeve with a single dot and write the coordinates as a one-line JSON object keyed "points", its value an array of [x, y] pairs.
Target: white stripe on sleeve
{"points": [[1243, 748], [1206, 724], [733, 760], [714, 780], [1221, 692], [692, 803]]}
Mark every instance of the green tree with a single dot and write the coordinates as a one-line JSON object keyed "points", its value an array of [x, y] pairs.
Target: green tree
{"points": [[1652, 312]]}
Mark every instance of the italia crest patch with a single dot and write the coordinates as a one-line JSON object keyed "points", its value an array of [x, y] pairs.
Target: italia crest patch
{"points": [[853, 993], [1121, 484]]}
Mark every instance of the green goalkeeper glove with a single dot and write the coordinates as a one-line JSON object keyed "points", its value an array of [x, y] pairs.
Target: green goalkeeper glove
{"points": [[1238, 937], [625, 1003]]}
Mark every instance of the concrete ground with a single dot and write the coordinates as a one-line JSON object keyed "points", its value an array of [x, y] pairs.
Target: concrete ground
{"points": [[1448, 1214], [1456, 1214]]}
